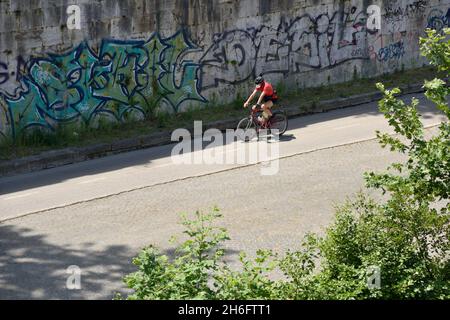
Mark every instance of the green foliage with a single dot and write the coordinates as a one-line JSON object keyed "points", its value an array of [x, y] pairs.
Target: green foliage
{"points": [[187, 275], [282, 89], [414, 222], [435, 48], [250, 283], [411, 254], [425, 178], [163, 119], [237, 103], [407, 236], [62, 136], [409, 246]]}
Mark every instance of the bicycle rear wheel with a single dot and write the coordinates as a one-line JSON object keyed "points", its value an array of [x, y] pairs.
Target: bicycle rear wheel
{"points": [[246, 130], [280, 122]]}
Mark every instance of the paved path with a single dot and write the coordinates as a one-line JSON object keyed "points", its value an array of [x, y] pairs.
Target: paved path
{"points": [[59, 187], [97, 214]]}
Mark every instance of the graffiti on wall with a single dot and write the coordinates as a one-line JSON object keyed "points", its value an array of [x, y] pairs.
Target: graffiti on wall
{"points": [[392, 51], [125, 80], [395, 12], [438, 20], [302, 44], [4, 75]]}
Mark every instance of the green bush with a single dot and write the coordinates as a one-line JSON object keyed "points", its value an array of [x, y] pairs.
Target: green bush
{"points": [[187, 275], [406, 237]]}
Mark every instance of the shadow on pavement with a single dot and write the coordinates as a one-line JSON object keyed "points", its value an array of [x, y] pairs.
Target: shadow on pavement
{"points": [[33, 268], [287, 137]]}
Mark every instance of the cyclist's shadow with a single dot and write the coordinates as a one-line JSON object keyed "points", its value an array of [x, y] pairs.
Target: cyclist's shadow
{"points": [[283, 138], [287, 137]]}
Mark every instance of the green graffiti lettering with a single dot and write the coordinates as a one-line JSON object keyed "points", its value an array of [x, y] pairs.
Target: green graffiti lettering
{"points": [[127, 79]]}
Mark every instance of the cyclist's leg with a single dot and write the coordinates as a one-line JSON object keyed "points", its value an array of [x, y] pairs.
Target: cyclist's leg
{"points": [[267, 108], [266, 112]]}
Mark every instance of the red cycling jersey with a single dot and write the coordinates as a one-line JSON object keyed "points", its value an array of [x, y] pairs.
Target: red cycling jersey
{"points": [[268, 90]]}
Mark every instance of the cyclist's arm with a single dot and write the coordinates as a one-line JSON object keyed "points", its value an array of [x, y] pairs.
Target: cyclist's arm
{"points": [[261, 98], [251, 97]]}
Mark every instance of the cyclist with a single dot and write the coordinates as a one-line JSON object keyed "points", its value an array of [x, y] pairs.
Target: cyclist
{"points": [[268, 96]]}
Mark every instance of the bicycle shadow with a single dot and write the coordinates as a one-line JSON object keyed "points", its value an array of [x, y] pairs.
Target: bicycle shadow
{"points": [[287, 138], [271, 138]]}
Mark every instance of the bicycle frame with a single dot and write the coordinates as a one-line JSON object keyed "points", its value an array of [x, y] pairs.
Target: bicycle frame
{"points": [[254, 113], [252, 121]]}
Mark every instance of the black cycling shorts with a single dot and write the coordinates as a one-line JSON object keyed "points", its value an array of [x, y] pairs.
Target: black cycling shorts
{"points": [[270, 98]]}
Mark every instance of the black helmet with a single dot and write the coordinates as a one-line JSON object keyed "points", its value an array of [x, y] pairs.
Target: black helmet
{"points": [[259, 80]]}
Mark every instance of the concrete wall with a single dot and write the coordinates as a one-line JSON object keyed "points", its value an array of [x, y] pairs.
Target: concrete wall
{"points": [[134, 56]]}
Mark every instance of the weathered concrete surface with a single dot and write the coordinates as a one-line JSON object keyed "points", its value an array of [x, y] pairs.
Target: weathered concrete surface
{"points": [[223, 45], [288, 35]]}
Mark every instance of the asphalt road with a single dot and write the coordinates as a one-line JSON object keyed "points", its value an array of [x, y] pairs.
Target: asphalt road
{"points": [[98, 214]]}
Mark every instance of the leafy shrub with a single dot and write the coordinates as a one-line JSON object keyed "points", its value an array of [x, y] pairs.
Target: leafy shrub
{"points": [[187, 275]]}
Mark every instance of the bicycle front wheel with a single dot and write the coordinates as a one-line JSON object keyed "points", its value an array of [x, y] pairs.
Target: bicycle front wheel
{"points": [[246, 130]]}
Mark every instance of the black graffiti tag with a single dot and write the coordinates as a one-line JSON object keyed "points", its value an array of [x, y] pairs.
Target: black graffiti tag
{"points": [[437, 20], [231, 58], [4, 76]]}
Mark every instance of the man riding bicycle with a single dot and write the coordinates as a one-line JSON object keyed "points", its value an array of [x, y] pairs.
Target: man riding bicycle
{"points": [[268, 96]]}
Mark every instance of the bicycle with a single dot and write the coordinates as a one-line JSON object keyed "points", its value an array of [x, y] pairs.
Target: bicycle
{"points": [[250, 126]]}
